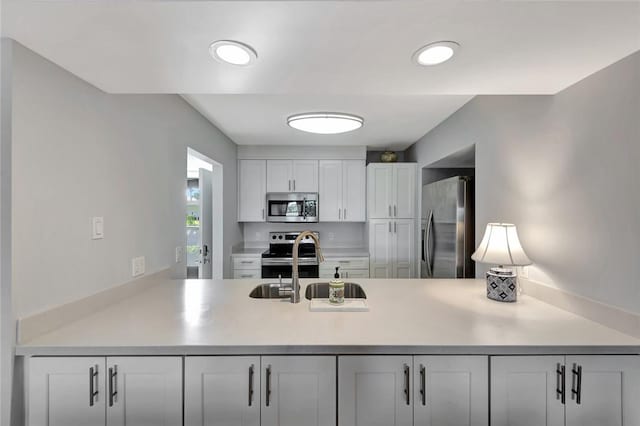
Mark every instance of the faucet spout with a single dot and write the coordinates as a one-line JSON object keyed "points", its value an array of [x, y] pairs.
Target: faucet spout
{"points": [[295, 279]]}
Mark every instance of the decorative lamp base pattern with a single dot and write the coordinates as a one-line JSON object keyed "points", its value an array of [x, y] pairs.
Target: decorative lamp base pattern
{"points": [[502, 285]]}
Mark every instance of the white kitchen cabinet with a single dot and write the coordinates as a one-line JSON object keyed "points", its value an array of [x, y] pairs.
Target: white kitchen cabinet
{"points": [[222, 390], [246, 266], [252, 190], [451, 390], [298, 391], [523, 391], [375, 391], [392, 248], [391, 190], [342, 190], [144, 391], [349, 267], [608, 387], [66, 391], [292, 175]]}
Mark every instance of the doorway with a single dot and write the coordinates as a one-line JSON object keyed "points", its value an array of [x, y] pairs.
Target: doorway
{"points": [[204, 209]]}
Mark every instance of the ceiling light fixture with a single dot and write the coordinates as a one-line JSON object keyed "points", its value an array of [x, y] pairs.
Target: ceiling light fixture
{"points": [[233, 52], [435, 53], [325, 123]]}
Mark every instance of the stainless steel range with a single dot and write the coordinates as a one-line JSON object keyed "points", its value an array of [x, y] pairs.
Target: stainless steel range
{"points": [[278, 259]]}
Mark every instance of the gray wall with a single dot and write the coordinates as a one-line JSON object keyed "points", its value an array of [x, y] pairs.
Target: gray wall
{"points": [[564, 168], [79, 152]]}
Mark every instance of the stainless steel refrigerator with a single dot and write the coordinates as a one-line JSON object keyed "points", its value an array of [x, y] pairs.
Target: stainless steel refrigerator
{"points": [[447, 229]]}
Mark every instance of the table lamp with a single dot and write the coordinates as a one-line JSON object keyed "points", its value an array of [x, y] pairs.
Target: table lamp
{"points": [[501, 246]]}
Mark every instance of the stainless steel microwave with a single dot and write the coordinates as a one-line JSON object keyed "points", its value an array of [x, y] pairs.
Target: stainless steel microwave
{"points": [[292, 207]]}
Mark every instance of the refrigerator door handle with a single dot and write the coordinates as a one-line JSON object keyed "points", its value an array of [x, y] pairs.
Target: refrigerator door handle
{"points": [[426, 243]]}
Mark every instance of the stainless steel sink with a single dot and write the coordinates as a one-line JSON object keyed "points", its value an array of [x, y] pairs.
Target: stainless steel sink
{"points": [[270, 291], [321, 291]]}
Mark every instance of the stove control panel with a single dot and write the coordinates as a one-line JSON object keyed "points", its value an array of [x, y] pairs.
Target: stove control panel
{"points": [[289, 238]]}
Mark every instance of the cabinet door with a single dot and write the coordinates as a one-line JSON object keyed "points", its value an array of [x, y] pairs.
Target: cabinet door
{"points": [[380, 248], [404, 253], [355, 273], [354, 192], [380, 197], [523, 391], [375, 391], [451, 390], [60, 392], [298, 391], [609, 390], [146, 391], [305, 176], [330, 195], [404, 190], [222, 391], [279, 176], [252, 190]]}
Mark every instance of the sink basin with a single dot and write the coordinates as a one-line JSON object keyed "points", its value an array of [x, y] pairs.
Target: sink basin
{"points": [[269, 291], [321, 291]]}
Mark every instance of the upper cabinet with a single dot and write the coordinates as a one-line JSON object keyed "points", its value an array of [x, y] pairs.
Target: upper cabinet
{"points": [[292, 175], [342, 190], [391, 190], [252, 190]]}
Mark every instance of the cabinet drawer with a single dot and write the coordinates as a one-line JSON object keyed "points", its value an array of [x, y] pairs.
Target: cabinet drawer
{"points": [[247, 273], [346, 263], [247, 263]]}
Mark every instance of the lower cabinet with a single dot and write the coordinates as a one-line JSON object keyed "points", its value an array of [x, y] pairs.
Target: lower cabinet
{"points": [[587, 390], [267, 391], [133, 391], [406, 390]]}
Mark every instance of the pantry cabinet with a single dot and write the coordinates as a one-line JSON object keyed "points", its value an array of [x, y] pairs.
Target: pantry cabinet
{"points": [[222, 391], [391, 190], [451, 390], [113, 391], [298, 391], [342, 190], [292, 175], [252, 190], [573, 390], [392, 248], [375, 391]]}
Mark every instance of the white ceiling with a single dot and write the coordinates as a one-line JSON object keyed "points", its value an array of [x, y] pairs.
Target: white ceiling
{"points": [[345, 56]]}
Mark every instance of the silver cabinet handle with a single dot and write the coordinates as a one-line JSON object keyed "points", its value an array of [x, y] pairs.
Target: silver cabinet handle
{"points": [[263, 213], [560, 383], [395, 227], [390, 210], [407, 378], [339, 214], [245, 262], [344, 216], [576, 383], [427, 246], [251, 385], [423, 384], [389, 226], [268, 386], [294, 184], [395, 210], [93, 384], [113, 384], [289, 184], [246, 276]]}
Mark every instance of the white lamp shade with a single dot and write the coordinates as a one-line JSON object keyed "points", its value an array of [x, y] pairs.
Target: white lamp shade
{"points": [[501, 246]]}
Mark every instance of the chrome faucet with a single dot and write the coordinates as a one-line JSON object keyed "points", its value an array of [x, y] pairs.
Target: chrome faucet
{"points": [[295, 279]]}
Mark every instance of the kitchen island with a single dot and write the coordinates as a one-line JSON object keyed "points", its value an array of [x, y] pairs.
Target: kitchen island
{"points": [[202, 352]]}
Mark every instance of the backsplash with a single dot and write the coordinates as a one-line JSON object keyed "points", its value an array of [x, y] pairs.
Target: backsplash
{"points": [[332, 235]]}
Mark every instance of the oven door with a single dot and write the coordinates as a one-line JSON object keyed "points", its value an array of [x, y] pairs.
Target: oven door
{"points": [[294, 207]]}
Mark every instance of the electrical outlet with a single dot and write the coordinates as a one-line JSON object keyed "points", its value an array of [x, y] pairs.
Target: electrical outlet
{"points": [[97, 228], [178, 254], [523, 272], [331, 236], [137, 266]]}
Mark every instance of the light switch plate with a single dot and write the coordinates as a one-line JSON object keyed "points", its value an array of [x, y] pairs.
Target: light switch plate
{"points": [[137, 266], [97, 228], [179, 254]]}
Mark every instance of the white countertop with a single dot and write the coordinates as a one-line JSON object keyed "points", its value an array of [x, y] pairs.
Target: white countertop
{"points": [[406, 316]]}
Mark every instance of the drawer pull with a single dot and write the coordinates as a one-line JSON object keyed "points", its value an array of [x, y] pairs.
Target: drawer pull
{"points": [[93, 384]]}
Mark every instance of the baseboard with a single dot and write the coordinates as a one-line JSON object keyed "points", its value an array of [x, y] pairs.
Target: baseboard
{"points": [[610, 316], [43, 322]]}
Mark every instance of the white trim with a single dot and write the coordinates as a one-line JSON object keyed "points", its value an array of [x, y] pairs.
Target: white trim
{"points": [[294, 152], [610, 316]]}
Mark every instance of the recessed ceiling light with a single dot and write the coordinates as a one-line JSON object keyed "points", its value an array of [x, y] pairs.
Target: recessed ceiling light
{"points": [[325, 123], [232, 52], [435, 53]]}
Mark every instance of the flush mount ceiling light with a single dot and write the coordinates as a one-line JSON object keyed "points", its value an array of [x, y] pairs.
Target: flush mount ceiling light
{"points": [[435, 53], [232, 52], [325, 123]]}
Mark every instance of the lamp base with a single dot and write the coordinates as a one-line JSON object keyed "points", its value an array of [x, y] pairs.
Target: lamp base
{"points": [[502, 285]]}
